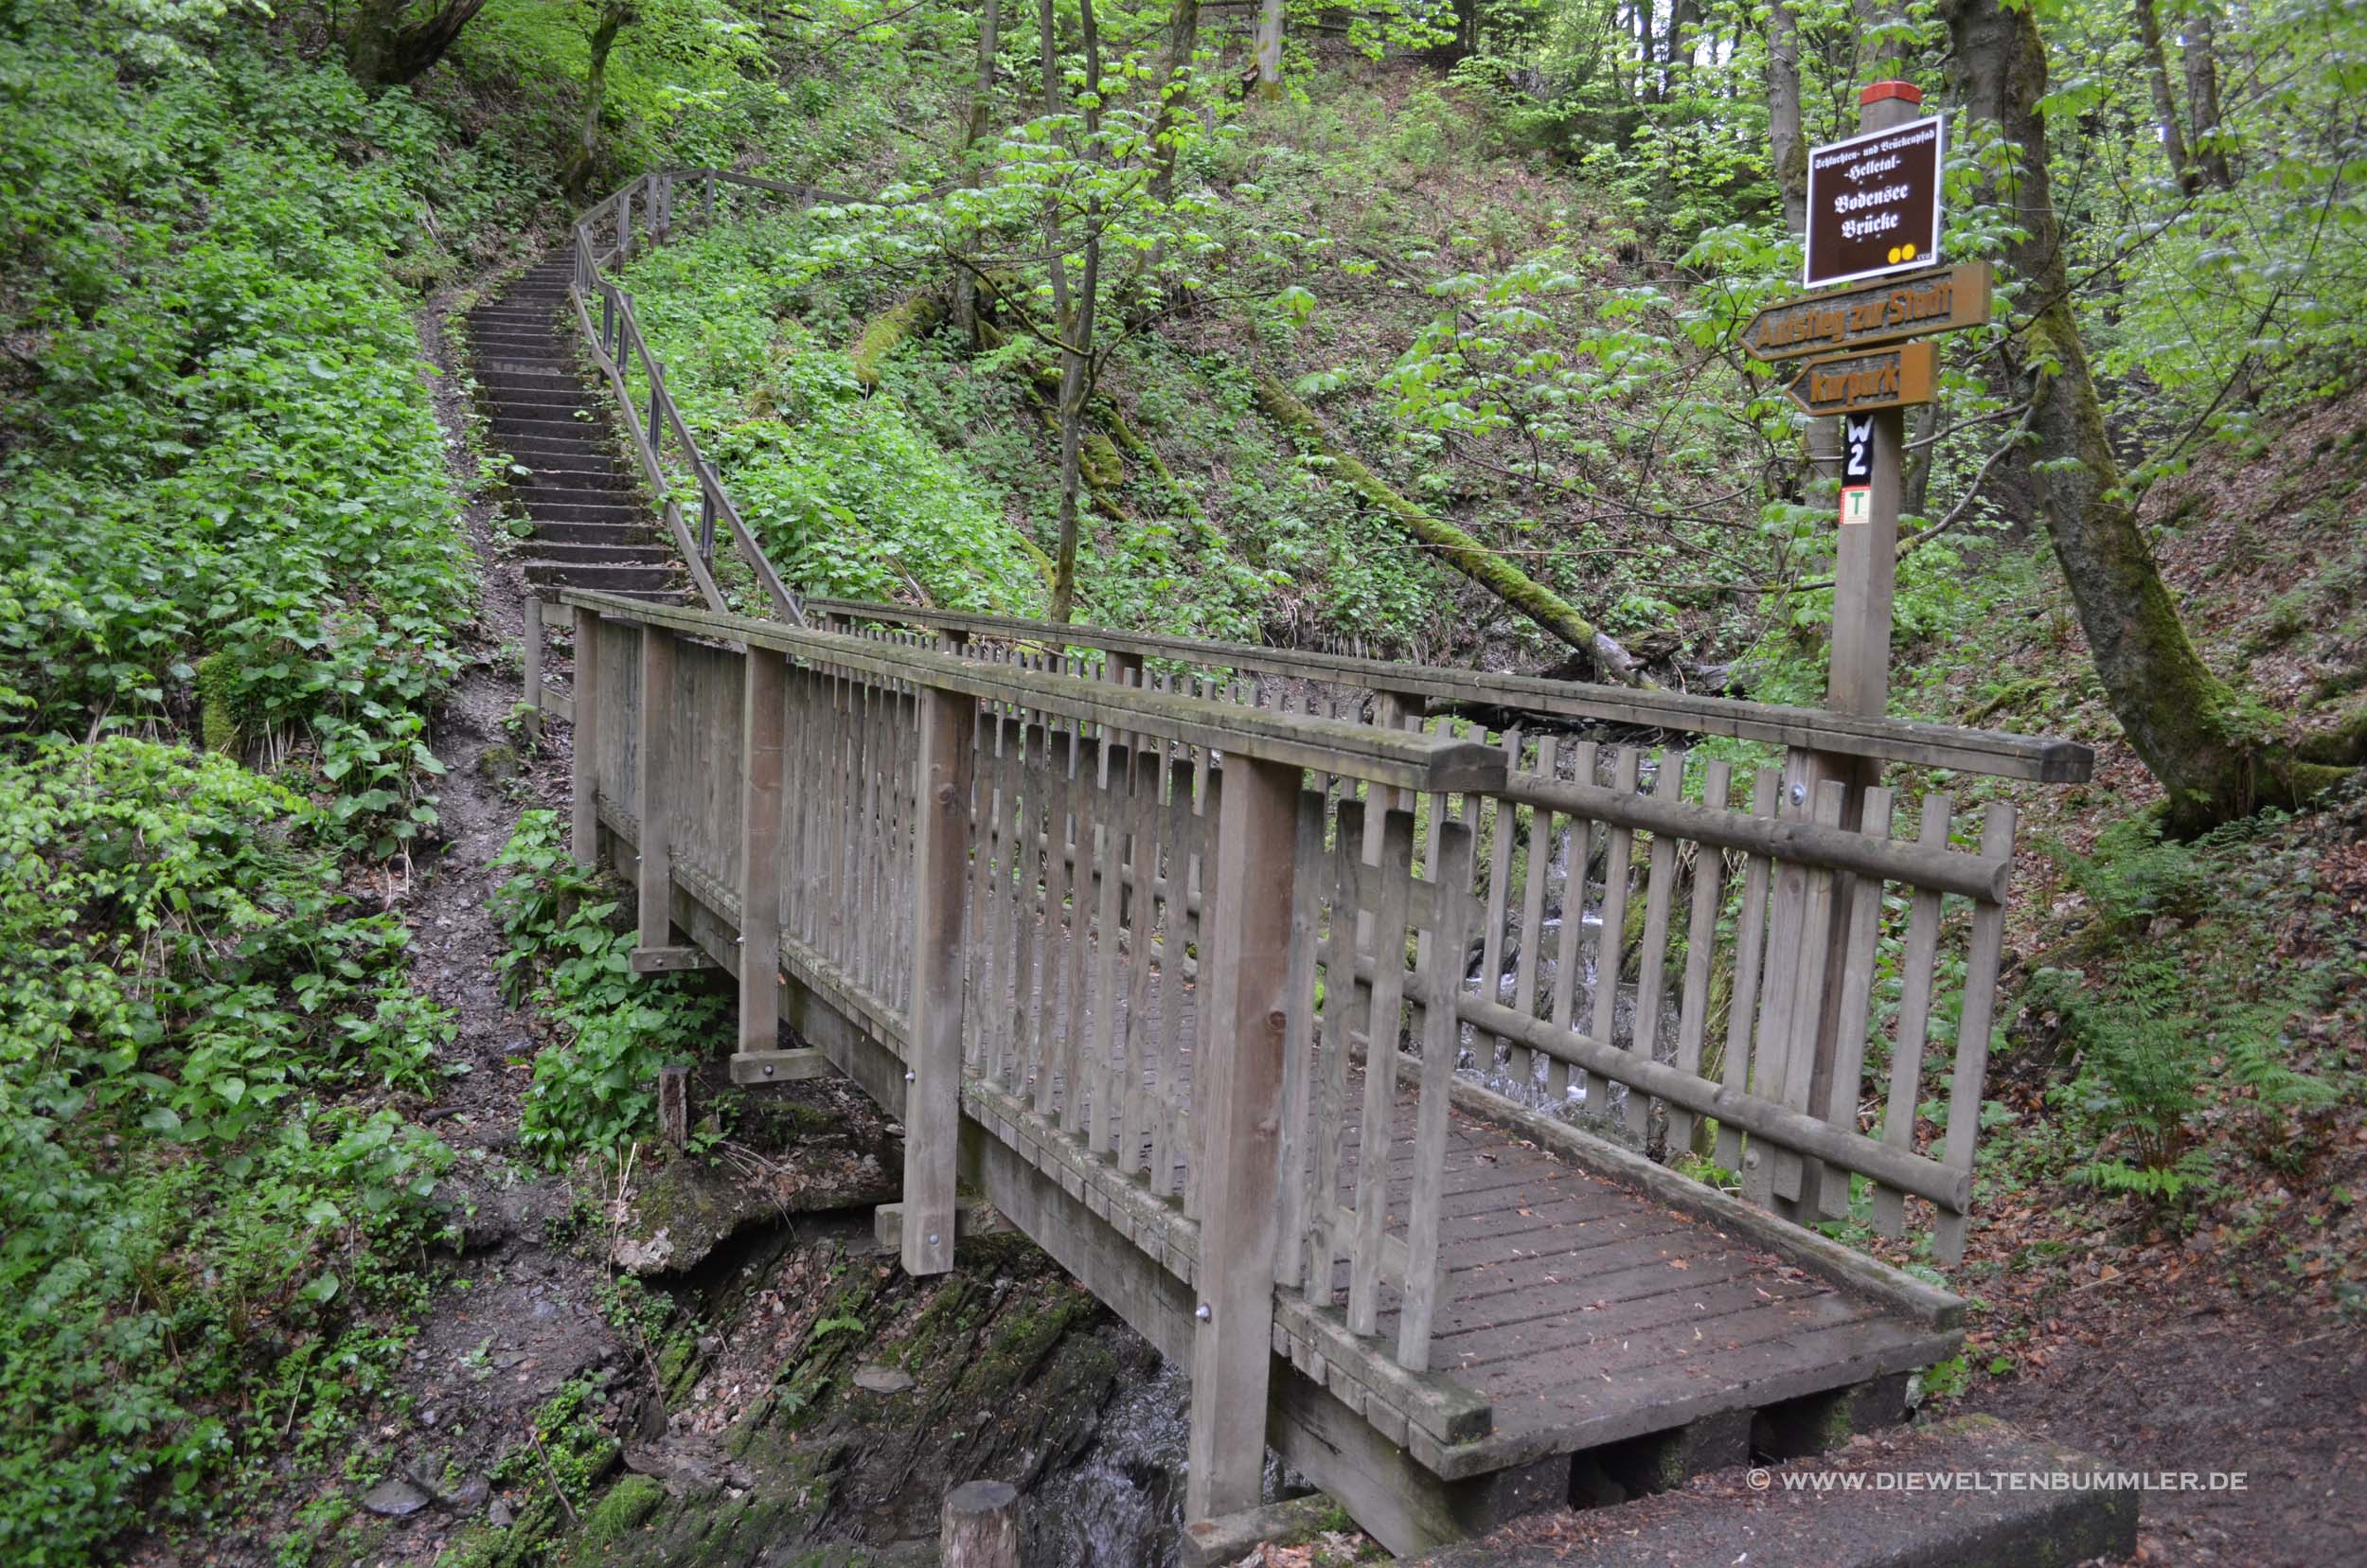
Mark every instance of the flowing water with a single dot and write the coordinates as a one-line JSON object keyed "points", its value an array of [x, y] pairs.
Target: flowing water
{"points": [[1121, 1505]]}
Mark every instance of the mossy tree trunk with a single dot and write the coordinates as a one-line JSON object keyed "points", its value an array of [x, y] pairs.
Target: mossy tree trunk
{"points": [[2207, 745], [1454, 546], [1074, 307], [2203, 94], [1787, 143], [2189, 178], [980, 118], [584, 162], [383, 49]]}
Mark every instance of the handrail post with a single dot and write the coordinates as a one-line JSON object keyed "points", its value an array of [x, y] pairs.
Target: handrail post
{"points": [[706, 522], [933, 1097], [624, 225], [533, 681], [656, 881], [584, 767], [760, 804], [608, 323], [657, 402], [1237, 1114]]}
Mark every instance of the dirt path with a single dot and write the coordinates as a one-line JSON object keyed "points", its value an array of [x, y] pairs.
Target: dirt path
{"points": [[2160, 1381], [518, 1315]]}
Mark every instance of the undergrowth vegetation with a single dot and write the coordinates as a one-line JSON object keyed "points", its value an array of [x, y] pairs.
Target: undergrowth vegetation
{"points": [[570, 951], [225, 519], [204, 1195]]}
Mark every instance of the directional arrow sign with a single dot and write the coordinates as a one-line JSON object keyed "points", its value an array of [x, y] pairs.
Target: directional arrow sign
{"points": [[1938, 302], [1886, 378]]}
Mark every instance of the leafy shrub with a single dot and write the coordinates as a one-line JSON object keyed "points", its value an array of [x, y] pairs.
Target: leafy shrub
{"points": [[230, 456], [595, 1086], [188, 1001]]}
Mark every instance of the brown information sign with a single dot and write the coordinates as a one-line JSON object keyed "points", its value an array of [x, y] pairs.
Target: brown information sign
{"points": [[1874, 204], [1886, 378], [1940, 301]]}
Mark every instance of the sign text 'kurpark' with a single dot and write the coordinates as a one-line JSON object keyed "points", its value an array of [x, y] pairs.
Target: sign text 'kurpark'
{"points": [[1885, 378]]}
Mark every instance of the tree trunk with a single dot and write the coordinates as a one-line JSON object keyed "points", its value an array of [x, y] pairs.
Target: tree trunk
{"points": [[382, 50], [2202, 96], [981, 117], [1175, 72], [1074, 309], [1684, 17], [584, 162], [1270, 50], [1454, 546], [1791, 148], [2191, 729], [2189, 178]]}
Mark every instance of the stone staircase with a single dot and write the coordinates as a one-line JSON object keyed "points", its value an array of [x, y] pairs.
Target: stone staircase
{"points": [[594, 527]]}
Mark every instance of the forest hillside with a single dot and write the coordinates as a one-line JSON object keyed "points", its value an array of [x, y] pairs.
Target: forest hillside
{"points": [[1405, 330]]}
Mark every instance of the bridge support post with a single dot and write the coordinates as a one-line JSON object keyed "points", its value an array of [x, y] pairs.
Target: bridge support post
{"points": [[1237, 1114], [933, 1100], [583, 770], [655, 879], [760, 760]]}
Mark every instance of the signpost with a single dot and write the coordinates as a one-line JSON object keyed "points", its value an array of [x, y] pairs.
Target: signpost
{"points": [[1874, 221], [1873, 201]]}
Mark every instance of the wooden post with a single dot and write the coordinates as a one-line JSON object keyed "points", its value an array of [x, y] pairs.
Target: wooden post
{"points": [[673, 1105], [656, 879], [583, 774], [933, 1100], [1244, 962], [1866, 579], [760, 761], [980, 1528], [534, 670]]}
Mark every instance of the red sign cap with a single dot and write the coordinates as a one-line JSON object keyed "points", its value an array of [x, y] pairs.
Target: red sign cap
{"points": [[1881, 89]]}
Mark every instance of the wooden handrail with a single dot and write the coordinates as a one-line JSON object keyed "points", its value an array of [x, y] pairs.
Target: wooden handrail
{"points": [[1995, 753], [1399, 758], [648, 440]]}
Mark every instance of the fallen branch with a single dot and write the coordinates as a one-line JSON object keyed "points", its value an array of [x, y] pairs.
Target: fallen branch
{"points": [[1457, 548]]}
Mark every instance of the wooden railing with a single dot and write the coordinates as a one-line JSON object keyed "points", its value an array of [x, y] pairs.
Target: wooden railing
{"points": [[604, 232], [1159, 923]]}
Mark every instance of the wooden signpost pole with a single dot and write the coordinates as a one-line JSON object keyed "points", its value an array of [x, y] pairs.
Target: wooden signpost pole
{"points": [[1857, 682]]}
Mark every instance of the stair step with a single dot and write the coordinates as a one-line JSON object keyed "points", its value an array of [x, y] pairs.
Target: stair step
{"points": [[513, 404], [543, 379], [553, 552], [603, 578], [529, 424], [596, 459], [593, 533], [548, 500], [615, 515], [589, 467]]}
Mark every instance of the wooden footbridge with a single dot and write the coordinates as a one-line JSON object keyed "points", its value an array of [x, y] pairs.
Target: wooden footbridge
{"points": [[1343, 1023]]}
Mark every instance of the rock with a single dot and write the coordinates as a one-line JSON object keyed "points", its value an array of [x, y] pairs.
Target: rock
{"points": [[882, 1380], [395, 1498], [683, 1213], [499, 1515], [471, 1495]]}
